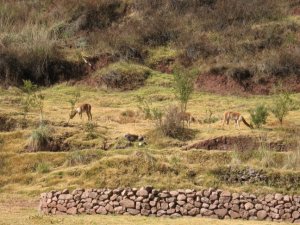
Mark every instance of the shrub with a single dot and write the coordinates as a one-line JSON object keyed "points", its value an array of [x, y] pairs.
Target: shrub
{"points": [[171, 124], [183, 86], [259, 115], [90, 128], [282, 104]]}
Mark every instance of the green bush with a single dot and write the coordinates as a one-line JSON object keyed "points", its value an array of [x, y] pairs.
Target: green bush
{"points": [[259, 115], [282, 104]]}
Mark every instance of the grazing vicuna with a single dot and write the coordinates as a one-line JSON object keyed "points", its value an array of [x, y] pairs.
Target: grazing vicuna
{"points": [[185, 116], [81, 109], [237, 117]]}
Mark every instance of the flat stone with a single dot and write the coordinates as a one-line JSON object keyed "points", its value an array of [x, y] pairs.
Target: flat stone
{"points": [[234, 215], [103, 197], [161, 212], [249, 206], [133, 211], [142, 192], [286, 216], [61, 208], [164, 206], [181, 197], [296, 214], [85, 194], [171, 211], [145, 212], [269, 198], [221, 212], [174, 193], [93, 195], [194, 212], [127, 203], [101, 210], [175, 215], [225, 194], [65, 197], [119, 210], [278, 197], [72, 211]]}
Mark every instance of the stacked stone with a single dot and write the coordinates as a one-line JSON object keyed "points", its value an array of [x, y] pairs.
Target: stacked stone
{"points": [[213, 203]]}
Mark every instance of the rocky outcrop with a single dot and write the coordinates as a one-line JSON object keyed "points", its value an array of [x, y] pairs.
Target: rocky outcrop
{"points": [[146, 201]]}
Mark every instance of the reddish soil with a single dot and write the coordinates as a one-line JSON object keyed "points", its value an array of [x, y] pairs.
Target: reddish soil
{"points": [[241, 143], [222, 84]]}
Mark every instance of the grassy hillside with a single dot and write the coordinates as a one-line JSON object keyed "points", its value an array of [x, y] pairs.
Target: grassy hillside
{"points": [[251, 44], [163, 162]]}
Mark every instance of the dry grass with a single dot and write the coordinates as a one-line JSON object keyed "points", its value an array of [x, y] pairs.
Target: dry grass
{"points": [[162, 157]]}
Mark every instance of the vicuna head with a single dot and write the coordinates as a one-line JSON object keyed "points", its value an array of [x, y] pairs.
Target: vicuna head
{"points": [[72, 114]]}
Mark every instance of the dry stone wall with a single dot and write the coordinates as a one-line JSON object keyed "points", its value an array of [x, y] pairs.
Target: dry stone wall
{"points": [[146, 201]]}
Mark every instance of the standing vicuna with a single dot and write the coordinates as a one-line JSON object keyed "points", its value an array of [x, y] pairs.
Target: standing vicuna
{"points": [[185, 116], [81, 109], [237, 117]]}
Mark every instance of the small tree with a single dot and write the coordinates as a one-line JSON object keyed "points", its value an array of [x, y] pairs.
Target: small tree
{"points": [[259, 115], [32, 99], [282, 104], [183, 86], [27, 101]]}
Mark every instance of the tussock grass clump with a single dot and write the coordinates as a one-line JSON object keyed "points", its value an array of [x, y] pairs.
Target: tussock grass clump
{"points": [[39, 139]]}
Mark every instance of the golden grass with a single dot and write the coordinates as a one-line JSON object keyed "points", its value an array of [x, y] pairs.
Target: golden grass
{"points": [[162, 164]]}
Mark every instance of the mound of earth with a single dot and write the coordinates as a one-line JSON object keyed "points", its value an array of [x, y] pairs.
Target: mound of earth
{"points": [[241, 143]]}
